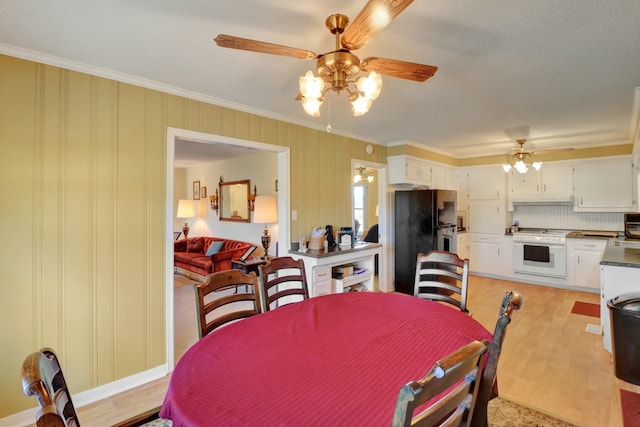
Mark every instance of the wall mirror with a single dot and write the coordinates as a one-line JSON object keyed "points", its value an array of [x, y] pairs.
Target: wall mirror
{"points": [[234, 201]]}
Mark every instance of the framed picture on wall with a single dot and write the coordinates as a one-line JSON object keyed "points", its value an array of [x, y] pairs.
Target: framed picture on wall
{"points": [[196, 190], [203, 192]]}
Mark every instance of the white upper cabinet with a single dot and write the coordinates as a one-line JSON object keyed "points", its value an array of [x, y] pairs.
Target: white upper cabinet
{"points": [[486, 183], [438, 177], [554, 183], [451, 178], [604, 185], [463, 188], [405, 170], [409, 170]]}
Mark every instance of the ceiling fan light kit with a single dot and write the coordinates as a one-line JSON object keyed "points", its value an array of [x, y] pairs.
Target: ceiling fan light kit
{"points": [[519, 158], [338, 70], [362, 174]]}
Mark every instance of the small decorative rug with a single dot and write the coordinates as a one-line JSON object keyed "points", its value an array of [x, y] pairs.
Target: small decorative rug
{"points": [[586, 309], [630, 405], [505, 413]]}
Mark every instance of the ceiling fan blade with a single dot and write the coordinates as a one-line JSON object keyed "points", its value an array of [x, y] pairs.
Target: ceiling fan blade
{"points": [[233, 42], [400, 69], [372, 19]]}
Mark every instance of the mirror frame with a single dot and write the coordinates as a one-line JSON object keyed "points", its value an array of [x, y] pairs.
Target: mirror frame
{"points": [[226, 216]]}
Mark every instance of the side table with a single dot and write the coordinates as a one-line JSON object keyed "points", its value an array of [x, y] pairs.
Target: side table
{"points": [[249, 265]]}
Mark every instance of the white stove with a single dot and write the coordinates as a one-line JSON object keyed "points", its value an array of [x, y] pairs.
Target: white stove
{"points": [[557, 237], [540, 252]]}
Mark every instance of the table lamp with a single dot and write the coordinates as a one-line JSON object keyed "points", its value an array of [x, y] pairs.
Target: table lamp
{"points": [[186, 210], [265, 211]]}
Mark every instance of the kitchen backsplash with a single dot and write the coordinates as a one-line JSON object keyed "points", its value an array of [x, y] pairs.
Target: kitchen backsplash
{"points": [[563, 217]]}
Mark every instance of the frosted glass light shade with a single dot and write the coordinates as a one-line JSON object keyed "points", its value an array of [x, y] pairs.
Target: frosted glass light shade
{"points": [[310, 86]]}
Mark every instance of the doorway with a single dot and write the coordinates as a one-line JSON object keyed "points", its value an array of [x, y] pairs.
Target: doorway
{"points": [[369, 201], [215, 142]]}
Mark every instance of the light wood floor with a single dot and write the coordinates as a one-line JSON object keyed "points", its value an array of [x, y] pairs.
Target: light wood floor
{"points": [[548, 362]]}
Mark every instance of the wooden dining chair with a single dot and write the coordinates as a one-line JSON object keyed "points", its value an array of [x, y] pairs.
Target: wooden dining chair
{"points": [[510, 302], [42, 378], [283, 280], [440, 276], [226, 296], [457, 376]]}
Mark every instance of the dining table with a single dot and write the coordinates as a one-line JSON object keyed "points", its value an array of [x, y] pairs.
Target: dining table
{"points": [[337, 359]]}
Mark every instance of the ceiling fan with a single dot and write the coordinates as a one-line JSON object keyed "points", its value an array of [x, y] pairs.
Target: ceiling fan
{"points": [[337, 70], [520, 156]]}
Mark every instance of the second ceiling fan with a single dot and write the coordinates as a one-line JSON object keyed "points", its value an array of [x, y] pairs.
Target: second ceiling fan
{"points": [[338, 70]]}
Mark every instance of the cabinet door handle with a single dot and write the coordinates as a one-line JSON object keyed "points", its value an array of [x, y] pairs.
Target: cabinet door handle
{"points": [[578, 259], [544, 188]]}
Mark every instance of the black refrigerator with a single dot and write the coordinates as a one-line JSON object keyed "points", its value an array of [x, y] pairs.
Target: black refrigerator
{"points": [[424, 221]]}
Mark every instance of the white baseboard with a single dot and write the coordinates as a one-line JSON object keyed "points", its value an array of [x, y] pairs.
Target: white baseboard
{"points": [[28, 417]]}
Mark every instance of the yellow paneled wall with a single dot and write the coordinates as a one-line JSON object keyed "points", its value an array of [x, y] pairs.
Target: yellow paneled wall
{"points": [[83, 170]]}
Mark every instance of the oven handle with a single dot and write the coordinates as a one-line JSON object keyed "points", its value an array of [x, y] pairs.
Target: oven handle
{"points": [[549, 245]]}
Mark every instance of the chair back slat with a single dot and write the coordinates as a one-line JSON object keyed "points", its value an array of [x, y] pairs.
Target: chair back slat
{"points": [[226, 296], [457, 376], [281, 279], [442, 276]]}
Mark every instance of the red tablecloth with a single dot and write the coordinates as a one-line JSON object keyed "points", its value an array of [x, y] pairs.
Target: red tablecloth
{"points": [[333, 360]]}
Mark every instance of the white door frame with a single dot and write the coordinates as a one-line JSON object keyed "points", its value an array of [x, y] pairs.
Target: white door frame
{"points": [[283, 155], [384, 278]]}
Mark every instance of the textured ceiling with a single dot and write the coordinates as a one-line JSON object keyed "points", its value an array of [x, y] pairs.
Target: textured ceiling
{"points": [[561, 73]]}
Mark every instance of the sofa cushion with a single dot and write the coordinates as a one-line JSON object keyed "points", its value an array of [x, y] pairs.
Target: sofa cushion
{"points": [[186, 257], [214, 248], [203, 262], [195, 245]]}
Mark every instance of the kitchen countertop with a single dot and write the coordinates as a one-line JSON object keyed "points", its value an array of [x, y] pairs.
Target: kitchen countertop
{"points": [[620, 256], [592, 234], [336, 250]]}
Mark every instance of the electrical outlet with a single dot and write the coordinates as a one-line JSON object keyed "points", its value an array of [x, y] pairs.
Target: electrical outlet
{"points": [[294, 215]]}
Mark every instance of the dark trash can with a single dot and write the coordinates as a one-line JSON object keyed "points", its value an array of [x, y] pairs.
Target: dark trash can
{"points": [[624, 313]]}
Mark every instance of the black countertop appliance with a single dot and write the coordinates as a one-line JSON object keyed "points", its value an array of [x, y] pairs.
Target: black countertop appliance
{"points": [[422, 217], [331, 241]]}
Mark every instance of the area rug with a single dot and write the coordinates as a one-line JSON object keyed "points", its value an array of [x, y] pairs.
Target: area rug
{"points": [[505, 413], [586, 309], [630, 406]]}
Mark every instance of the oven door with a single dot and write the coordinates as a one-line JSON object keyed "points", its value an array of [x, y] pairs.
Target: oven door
{"points": [[447, 239], [540, 259]]}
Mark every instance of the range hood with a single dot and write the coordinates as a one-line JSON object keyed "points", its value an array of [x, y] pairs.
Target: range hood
{"points": [[542, 200]]}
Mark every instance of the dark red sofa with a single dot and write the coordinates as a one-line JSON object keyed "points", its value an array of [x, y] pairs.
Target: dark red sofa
{"points": [[190, 260]]}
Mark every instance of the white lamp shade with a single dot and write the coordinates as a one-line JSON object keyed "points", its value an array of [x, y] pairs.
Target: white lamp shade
{"points": [[265, 210], [186, 209]]}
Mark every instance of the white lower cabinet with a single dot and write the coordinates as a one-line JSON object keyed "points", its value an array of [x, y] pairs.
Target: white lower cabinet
{"points": [[322, 283], [462, 246], [485, 253], [506, 255], [615, 281], [583, 262]]}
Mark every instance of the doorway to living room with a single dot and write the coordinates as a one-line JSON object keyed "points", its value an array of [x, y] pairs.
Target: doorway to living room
{"points": [[212, 145]]}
